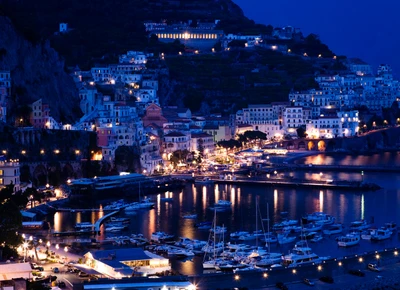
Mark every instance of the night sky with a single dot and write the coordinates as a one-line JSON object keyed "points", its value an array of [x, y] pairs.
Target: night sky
{"points": [[368, 29]]}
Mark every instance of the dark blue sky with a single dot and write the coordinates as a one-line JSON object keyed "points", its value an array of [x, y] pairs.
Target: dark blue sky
{"points": [[368, 29]]}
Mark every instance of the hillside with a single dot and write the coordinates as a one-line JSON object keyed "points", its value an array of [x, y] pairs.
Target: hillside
{"points": [[37, 72]]}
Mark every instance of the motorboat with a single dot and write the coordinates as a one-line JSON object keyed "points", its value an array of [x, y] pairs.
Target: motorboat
{"points": [[381, 234], [120, 220], [247, 237], [161, 237], [115, 228], [203, 225], [359, 225], [391, 226], [269, 238], [190, 244], [312, 227], [84, 226], [284, 239], [179, 252], [308, 235], [367, 234], [285, 223], [291, 229], [348, 240], [238, 234], [316, 238], [204, 181], [300, 256], [223, 203], [219, 230], [190, 216], [318, 217], [333, 229]]}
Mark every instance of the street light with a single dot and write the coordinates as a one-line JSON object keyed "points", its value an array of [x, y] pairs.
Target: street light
{"points": [[57, 246]]}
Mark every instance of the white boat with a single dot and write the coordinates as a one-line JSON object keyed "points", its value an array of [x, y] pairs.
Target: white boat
{"points": [[180, 252], [120, 220], [84, 225], [316, 239], [308, 235], [270, 238], [266, 262], [190, 216], [247, 237], [391, 226], [190, 244], [381, 234], [333, 229], [284, 239], [223, 203], [114, 228], [367, 234], [359, 225], [219, 230], [291, 229], [318, 217], [312, 227], [348, 240], [300, 256], [160, 237], [284, 223], [204, 181], [238, 234]]}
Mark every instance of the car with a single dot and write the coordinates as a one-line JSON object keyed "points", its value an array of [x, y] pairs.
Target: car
{"points": [[373, 267], [61, 284], [56, 270], [358, 273], [308, 282], [34, 265], [281, 285], [40, 269], [326, 279], [83, 275]]}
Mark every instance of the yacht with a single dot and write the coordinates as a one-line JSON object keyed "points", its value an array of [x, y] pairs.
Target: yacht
{"points": [[84, 226], [333, 229], [238, 234], [114, 228], [269, 238], [222, 203], [359, 225], [160, 237], [120, 220], [204, 181], [247, 237], [218, 230], [391, 226], [203, 225], [285, 223], [308, 235], [367, 234], [316, 238], [381, 234], [348, 240], [300, 256], [318, 217], [179, 252], [284, 239], [312, 227]]}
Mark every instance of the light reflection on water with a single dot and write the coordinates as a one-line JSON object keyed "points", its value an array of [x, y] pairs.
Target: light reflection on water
{"points": [[346, 206]]}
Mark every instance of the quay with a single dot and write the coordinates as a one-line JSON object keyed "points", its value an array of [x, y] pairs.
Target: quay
{"points": [[81, 210], [299, 183], [256, 279], [349, 168]]}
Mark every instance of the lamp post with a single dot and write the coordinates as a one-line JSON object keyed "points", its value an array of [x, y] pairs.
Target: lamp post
{"points": [[362, 176], [47, 248], [66, 252]]}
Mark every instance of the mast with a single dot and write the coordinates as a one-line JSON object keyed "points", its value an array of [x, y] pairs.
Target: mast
{"points": [[257, 223], [268, 237], [215, 229]]}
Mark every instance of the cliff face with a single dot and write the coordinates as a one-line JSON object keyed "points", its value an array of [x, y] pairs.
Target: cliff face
{"points": [[37, 72]]}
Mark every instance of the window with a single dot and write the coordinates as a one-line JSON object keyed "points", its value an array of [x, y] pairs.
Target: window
{"points": [[1, 172], [1, 181]]}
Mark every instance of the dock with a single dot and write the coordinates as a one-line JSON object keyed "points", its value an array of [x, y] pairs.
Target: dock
{"points": [[301, 183], [348, 168], [82, 209], [99, 222]]}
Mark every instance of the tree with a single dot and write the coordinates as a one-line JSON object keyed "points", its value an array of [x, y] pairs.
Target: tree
{"points": [[229, 144], [10, 223], [179, 156], [301, 132]]}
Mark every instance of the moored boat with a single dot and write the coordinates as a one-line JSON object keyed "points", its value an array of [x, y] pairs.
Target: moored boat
{"points": [[381, 234], [348, 240], [333, 229]]}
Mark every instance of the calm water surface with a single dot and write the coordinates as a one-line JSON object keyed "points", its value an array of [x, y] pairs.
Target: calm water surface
{"points": [[346, 206]]}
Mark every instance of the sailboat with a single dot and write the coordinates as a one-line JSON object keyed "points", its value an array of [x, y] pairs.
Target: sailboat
{"points": [[269, 258], [142, 204], [212, 263]]}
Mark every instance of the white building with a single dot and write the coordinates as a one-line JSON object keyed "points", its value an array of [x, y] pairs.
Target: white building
{"points": [[254, 113], [202, 140], [293, 118], [135, 57], [174, 141], [9, 173], [102, 75], [324, 127]]}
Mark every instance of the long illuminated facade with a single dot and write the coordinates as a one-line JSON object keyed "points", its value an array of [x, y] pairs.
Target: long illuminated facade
{"points": [[196, 38]]}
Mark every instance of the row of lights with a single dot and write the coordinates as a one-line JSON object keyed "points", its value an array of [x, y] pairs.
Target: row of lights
{"points": [[48, 244], [56, 151], [319, 267]]}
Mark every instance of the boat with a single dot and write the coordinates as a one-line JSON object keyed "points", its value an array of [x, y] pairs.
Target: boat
{"points": [[190, 244], [161, 237], [359, 225], [223, 203], [333, 229], [84, 225], [381, 234], [291, 229], [284, 239], [120, 220], [238, 234], [320, 217], [179, 252], [204, 181], [219, 230], [300, 256], [367, 234], [391, 226], [247, 237], [212, 262], [308, 235], [203, 225], [348, 240], [312, 227], [270, 238], [190, 216], [316, 238], [115, 228], [285, 223]]}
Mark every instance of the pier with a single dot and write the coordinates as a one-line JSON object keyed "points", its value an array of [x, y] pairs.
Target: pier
{"points": [[82, 209], [97, 225], [349, 168]]}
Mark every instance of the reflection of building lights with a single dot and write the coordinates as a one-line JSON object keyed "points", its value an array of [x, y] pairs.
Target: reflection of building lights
{"points": [[265, 275], [360, 259], [377, 256], [340, 264], [294, 271], [319, 267], [237, 277]]}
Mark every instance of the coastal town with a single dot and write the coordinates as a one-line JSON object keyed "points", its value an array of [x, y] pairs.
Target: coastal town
{"points": [[194, 173]]}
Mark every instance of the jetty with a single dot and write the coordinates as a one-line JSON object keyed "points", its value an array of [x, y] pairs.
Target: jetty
{"points": [[99, 222], [348, 168]]}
